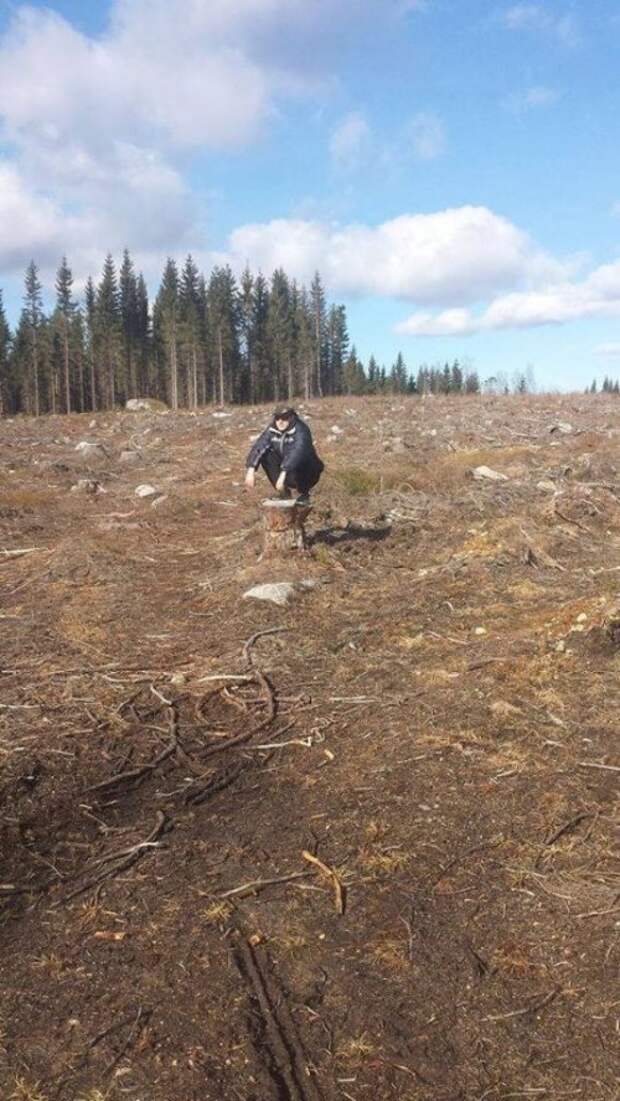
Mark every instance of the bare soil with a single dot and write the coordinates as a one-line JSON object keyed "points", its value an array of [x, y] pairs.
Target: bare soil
{"points": [[435, 723]]}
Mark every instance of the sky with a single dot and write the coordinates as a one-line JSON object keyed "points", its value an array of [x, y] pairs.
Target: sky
{"points": [[451, 167]]}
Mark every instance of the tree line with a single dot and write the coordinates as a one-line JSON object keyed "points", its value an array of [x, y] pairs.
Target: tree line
{"points": [[608, 386], [221, 340]]}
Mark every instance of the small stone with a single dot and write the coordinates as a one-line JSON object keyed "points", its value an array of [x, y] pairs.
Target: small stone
{"points": [[128, 456], [482, 473], [562, 426], [178, 680], [504, 710], [145, 491], [220, 416], [159, 501], [336, 430], [146, 405], [88, 485], [89, 449], [560, 646], [279, 592], [546, 486], [582, 618], [480, 631]]}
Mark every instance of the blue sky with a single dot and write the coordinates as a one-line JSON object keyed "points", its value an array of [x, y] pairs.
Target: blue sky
{"points": [[450, 166]]}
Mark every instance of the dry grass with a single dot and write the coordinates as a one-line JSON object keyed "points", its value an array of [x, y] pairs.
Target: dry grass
{"points": [[25, 1091], [218, 913], [356, 1050], [378, 863]]}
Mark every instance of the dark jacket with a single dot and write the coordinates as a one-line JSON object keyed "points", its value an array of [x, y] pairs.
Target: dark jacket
{"points": [[294, 448]]}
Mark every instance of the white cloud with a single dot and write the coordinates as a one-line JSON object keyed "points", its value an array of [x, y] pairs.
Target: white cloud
{"points": [[537, 17], [98, 130], [552, 303], [28, 222], [349, 142], [607, 351], [538, 96], [427, 136], [461, 255]]}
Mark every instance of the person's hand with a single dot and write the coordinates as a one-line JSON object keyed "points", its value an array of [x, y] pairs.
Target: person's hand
{"points": [[250, 476], [281, 481]]}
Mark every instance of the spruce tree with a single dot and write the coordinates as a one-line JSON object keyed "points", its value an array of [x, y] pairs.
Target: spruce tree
{"points": [[337, 341], [128, 300], [189, 316], [317, 306], [63, 318], [108, 333], [223, 303], [6, 394], [166, 331], [33, 306], [278, 333]]}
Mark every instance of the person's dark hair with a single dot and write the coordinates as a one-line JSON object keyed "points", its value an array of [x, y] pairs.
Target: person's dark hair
{"points": [[284, 413]]}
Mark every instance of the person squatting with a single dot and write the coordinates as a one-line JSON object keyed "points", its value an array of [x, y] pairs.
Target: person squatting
{"points": [[286, 453]]}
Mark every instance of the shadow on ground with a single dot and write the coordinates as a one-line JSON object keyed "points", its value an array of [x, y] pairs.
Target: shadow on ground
{"points": [[348, 534]]}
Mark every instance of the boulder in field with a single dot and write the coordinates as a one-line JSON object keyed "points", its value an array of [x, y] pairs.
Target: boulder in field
{"points": [[485, 473], [90, 449], [279, 592], [146, 405], [145, 491]]}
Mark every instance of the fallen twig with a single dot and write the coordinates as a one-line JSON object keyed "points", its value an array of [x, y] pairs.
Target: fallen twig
{"points": [[528, 1009], [592, 764], [555, 836], [133, 775], [256, 885], [142, 1015], [249, 643], [218, 783], [126, 858], [339, 899], [19, 552]]}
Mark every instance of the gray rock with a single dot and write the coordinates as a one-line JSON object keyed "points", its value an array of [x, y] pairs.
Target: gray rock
{"points": [[145, 491], [279, 592], [145, 405], [484, 473], [89, 449], [562, 426], [88, 485], [128, 456]]}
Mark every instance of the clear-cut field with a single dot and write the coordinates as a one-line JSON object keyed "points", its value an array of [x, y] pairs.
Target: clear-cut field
{"points": [[434, 720]]}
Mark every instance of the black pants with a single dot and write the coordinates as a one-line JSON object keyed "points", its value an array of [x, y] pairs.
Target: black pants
{"points": [[302, 479]]}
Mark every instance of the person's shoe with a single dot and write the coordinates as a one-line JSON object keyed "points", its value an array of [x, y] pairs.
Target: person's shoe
{"points": [[303, 500]]}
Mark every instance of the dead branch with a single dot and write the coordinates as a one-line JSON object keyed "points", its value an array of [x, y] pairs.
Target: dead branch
{"points": [[19, 552], [127, 857], [568, 520], [555, 836], [218, 783], [245, 735], [250, 642], [134, 775], [257, 885], [339, 896], [281, 1035], [528, 1008], [142, 1015], [592, 764]]}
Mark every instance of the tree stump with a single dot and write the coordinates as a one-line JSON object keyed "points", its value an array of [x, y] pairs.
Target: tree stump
{"points": [[284, 529]]}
